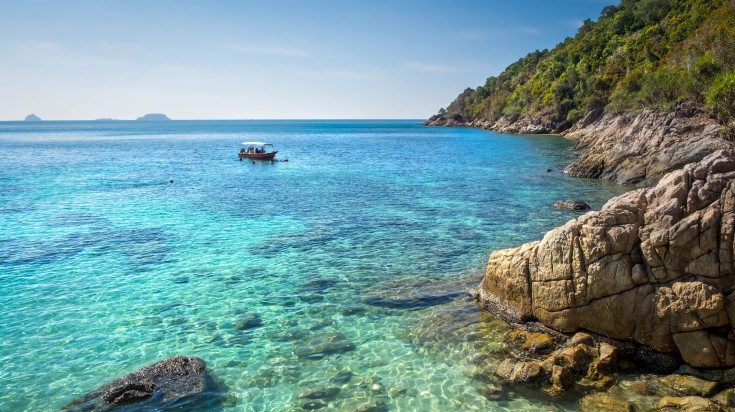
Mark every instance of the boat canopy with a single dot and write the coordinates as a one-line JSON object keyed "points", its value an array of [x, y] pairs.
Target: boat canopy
{"points": [[256, 144]]}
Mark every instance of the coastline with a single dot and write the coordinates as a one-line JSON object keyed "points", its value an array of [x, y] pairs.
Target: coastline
{"points": [[635, 148], [588, 274]]}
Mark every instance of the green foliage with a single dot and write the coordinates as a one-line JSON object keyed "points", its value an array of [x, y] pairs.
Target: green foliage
{"points": [[640, 53], [721, 96]]}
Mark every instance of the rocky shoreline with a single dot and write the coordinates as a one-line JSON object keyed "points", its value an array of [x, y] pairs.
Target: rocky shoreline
{"points": [[629, 148], [653, 267]]}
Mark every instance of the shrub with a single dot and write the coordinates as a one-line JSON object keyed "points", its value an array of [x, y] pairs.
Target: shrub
{"points": [[721, 96]]}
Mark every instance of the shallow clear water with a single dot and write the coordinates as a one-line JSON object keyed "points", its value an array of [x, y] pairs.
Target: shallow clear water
{"points": [[372, 229]]}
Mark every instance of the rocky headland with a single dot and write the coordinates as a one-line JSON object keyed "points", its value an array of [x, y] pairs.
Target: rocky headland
{"points": [[641, 147], [628, 148], [654, 266]]}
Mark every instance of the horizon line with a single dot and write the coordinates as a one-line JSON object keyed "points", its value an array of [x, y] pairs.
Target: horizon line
{"points": [[175, 120]]}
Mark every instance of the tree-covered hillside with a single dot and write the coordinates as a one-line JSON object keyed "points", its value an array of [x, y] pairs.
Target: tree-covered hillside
{"points": [[638, 54]]}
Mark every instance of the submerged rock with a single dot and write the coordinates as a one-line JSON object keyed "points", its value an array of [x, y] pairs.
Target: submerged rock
{"points": [[323, 345], [412, 302], [572, 205], [249, 321], [342, 377], [324, 392], [689, 385], [313, 404], [659, 259], [687, 403], [164, 384], [603, 402]]}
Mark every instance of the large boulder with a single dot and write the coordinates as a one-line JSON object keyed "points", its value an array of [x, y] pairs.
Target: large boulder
{"points": [[172, 382], [654, 266]]}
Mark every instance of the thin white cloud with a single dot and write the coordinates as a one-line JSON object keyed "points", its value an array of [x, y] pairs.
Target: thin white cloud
{"points": [[52, 54], [268, 51], [437, 68]]}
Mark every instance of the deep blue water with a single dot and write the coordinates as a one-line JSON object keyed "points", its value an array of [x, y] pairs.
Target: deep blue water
{"points": [[372, 229]]}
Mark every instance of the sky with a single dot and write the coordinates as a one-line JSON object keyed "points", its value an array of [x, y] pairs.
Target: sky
{"points": [[277, 59]]}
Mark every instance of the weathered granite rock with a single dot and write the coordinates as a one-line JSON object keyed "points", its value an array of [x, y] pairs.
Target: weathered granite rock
{"points": [[162, 384], [598, 402], [689, 385], [640, 147], [654, 266], [687, 403], [571, 205], [505, 124]]}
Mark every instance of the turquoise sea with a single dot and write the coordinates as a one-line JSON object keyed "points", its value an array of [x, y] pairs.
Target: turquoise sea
{"points": [[371, 232]]}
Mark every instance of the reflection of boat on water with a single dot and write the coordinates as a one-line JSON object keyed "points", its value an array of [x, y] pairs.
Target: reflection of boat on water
{"points": [[257, 150]]}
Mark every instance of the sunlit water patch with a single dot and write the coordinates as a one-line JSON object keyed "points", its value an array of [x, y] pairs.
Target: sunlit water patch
{"points": [[343, 270]]}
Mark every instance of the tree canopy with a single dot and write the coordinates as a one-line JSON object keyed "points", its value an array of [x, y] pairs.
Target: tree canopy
{"points": [[638, 54]]}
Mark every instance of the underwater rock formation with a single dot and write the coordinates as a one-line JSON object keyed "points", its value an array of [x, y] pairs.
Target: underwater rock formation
{"points": [[164, 384]]}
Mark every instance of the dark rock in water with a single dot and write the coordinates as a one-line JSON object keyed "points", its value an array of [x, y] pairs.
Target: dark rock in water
{"points": [[572, 205], [311, 298], [313, 405], [319, 284], [161, 385], [341, 378], [323, 324], [249, 321], [353, 310], [322, 345], [549, 170], [325, 392], [412, 302]]}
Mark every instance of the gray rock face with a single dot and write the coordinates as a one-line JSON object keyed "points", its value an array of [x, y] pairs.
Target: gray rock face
{"points": [[654, 266], [502, 125], [641, 147], [162, 384]]}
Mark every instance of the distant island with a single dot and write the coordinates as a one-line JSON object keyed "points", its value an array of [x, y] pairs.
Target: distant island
{"points": [[154, 117], [32, 118]]}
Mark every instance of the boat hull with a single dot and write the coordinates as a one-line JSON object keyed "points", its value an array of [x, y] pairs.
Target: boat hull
{"points": [[258, 156]]}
